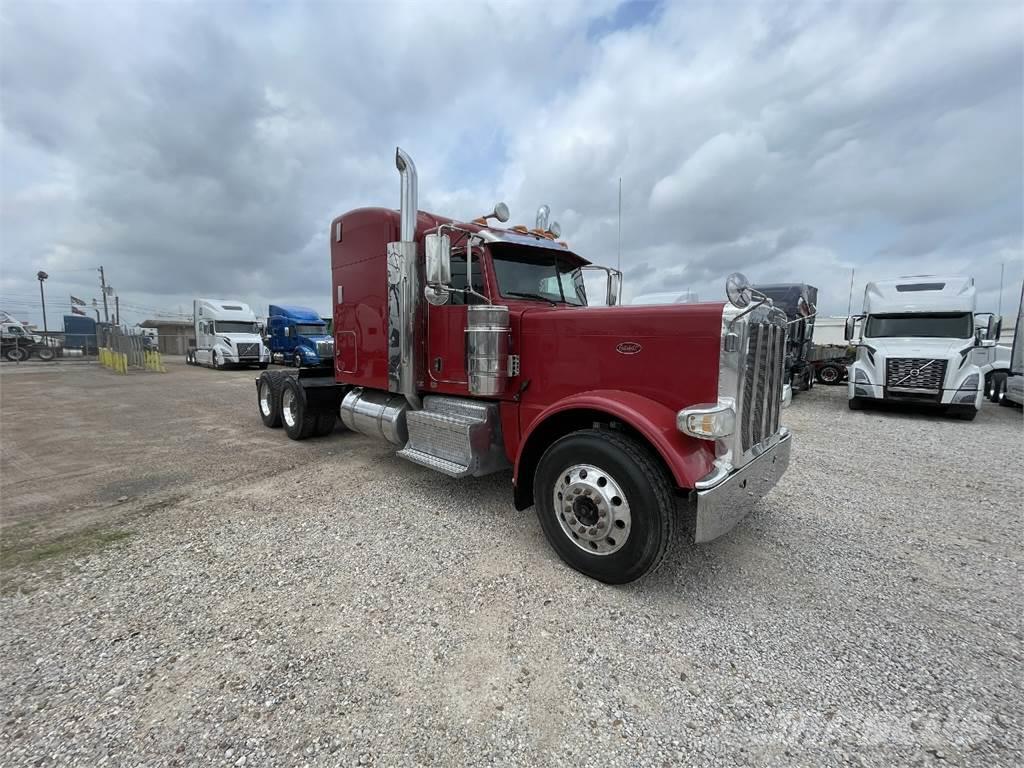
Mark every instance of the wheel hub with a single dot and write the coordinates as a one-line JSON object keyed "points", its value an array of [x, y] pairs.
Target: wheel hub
{"points": [[265, 398], [592, 509], [288, 407]]}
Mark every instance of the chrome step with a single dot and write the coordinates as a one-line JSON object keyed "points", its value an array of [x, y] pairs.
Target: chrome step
{"points": [[456, 436], [449, 468]]}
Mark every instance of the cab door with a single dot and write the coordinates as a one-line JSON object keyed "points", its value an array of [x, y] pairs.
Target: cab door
{"points": [[446, 329]]}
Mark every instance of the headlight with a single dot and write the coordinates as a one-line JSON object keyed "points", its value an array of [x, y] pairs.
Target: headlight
{"points": [[708, 422], [862, 377], [968, 390]]}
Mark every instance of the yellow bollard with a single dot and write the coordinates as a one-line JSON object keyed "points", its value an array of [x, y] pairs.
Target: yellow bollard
{"points": [[124, 363]]}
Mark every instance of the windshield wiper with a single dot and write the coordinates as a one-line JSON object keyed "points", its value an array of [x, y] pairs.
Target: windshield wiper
{"points": [[523, 295]]}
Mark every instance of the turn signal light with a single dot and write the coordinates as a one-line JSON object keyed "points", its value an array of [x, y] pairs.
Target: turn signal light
{"points": [[708, 422]]}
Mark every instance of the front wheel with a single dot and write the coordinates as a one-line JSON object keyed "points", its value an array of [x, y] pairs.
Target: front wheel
{"points": [[297, 360], [46, 354], [605, 505], [16, 354], [855, 404]]}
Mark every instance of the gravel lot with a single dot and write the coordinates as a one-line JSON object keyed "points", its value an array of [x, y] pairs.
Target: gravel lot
{"points": [[185, 587]]}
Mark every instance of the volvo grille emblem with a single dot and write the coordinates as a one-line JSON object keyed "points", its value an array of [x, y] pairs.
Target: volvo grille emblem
{"points": [[628, 348], [914, 371]]}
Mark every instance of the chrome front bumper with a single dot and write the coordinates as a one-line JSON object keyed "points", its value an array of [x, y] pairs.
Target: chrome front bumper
{"points": [[721, 503]]}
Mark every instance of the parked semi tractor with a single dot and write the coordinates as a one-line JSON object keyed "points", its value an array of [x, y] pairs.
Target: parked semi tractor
{"points": [[1008, 386], [472, 349], [918, 344], [17, 344], [298, 335], [226, 335], [799, 302]]}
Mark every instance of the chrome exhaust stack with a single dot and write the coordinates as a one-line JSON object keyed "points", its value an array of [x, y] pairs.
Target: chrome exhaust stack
{"points": [[404, 288], [408, 203]]}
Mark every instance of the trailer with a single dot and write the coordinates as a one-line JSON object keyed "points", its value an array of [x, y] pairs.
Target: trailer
{"points": [[799, 302], [1008, 386], [472, 349]]}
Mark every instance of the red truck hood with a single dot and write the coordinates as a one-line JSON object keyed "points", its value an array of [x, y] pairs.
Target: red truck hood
{"points": [[667, 353]]}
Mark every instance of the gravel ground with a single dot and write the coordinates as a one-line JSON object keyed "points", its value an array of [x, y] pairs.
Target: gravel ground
{"points": [[238, 599]]}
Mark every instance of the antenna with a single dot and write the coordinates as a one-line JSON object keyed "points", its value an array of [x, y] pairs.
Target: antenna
{"points": [[1002, 268]]}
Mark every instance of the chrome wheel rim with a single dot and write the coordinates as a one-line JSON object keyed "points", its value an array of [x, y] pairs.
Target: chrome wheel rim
{"points": [[288, 407], [592, 509], [829, 375], [265, 398]]}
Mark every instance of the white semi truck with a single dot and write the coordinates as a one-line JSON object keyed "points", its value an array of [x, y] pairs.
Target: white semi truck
{"points": [[226, 335], [918, 344]]}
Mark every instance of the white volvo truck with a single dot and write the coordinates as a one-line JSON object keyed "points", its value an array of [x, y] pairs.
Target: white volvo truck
{"points": [[226, 335], [918, 344]]}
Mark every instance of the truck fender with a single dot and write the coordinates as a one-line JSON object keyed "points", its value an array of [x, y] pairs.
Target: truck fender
{"points": [[686, 458]]}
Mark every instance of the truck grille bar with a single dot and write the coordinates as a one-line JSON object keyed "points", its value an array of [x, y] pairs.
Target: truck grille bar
{"points": [[325, 349], [249, 350], [914, 374], [762, 384]]}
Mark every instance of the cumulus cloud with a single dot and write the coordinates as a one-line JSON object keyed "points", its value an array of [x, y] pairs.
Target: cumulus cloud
{"points": [[203, 148]]}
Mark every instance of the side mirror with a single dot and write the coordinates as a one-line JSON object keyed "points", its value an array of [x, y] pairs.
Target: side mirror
{"points": [[851, 325], [439, 260], [287, 331], [614, 296], [995, 328]]}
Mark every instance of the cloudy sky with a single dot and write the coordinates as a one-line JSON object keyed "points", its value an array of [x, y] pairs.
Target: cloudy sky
{"points": [[203, 148]]}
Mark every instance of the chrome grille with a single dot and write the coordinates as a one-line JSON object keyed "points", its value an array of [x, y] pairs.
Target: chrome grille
{"points": [[915, 374], [325, 349], [762, 383], [249, 350]]}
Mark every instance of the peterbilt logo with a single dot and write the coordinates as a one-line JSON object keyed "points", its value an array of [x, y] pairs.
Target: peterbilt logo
{"points": [[628, 348]]}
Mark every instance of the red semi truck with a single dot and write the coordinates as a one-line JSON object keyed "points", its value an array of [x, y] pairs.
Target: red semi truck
{"points": [[472, 349]]}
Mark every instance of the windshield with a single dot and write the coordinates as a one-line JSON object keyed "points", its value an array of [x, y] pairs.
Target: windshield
{"points": [[313, 329], [232, 326], [538, 274], [945, 325]]}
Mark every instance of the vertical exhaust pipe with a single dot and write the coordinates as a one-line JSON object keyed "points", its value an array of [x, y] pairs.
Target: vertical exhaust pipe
{"points": [[404, 289], [408, 203]]}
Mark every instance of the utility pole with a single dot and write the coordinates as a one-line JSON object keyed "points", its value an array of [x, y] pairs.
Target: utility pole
{"points": [[618, 260], [103, 287], [849, 304], [117, 310], [41, 276]]}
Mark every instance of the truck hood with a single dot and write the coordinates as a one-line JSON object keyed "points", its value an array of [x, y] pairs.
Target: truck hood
{"points": [[916, 347], [667, 353]]}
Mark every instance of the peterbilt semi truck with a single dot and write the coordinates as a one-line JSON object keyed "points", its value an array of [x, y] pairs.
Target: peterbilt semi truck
{"points": [[299, 336], [472, 349], [918, 343], [226, 335]]}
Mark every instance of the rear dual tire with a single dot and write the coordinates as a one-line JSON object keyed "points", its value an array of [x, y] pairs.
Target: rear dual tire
{"points": [[830, 374], [605, 504], [303, 413]]}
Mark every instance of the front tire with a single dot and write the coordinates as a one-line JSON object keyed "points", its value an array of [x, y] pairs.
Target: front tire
{"points": [[46, 354], [16, 354], [297, 360], [855, 404], [605, 505]]}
